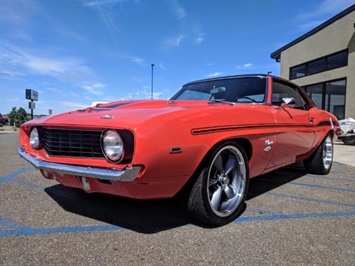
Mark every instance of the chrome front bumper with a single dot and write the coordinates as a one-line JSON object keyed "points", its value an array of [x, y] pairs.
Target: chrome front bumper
{"points": [[129, 174]]}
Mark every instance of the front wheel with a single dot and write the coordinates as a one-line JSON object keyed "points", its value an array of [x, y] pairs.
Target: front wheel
{"points": [[218, 195], [322, 159]]}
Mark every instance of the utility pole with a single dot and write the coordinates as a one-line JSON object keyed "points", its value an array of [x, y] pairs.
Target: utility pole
{"points": [[152, 82]]}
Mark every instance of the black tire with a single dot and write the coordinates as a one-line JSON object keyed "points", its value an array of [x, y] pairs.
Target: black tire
{"points": [[218, 194], [322, 159]]}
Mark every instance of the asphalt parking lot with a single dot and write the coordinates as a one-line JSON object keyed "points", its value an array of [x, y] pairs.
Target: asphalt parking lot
{"points": [[291, 218]]}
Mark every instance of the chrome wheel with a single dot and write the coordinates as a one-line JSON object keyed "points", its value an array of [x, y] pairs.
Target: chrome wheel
{"points": [[327, 152], [226, 181], [218, 193], [320, 162]]}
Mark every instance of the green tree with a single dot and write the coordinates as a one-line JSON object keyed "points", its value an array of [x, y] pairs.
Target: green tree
{"points": [[17, 117], [12, 116]]}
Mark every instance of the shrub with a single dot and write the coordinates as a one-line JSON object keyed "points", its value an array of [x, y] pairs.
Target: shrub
{"points": [[17, 116]]}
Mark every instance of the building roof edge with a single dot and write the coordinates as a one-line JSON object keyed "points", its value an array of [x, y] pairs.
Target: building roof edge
{"points": [[277, 54]]}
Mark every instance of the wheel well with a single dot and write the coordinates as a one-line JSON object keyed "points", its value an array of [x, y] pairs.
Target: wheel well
{"points": [[246, 145], [242, 141], [332, 132]]}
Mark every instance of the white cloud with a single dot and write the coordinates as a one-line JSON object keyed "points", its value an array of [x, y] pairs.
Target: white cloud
{"points": [[215, 74], [10, 74], [137, 60], [64, 93], [54, 66], [76, 95], [196, 33], [56, 90], [16, 14], [105, 10], [134, 59], [189, 27], [21, 62], [175, 41], [70, 35], [72, 105], [199, 39], [161, 65], [179, 11], [58, 107], [327, 7], [96, 3], [92, 87], [324, 11], [310, 25], [247, 65]]}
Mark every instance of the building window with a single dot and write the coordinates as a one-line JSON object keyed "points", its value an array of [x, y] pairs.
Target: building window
{"points": [[316, 66], [335, 98], [298, 72], [337, 60], [325, 63], [316, 93], [329, 96]]}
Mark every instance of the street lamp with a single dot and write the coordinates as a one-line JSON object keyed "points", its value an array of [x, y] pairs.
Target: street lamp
{"points": [[152, 81]]}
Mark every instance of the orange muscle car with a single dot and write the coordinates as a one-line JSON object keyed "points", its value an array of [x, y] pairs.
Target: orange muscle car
{"points": [[205, 142]]}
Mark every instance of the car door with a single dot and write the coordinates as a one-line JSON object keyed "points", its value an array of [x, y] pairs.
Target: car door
{"points": [[294, 129]]}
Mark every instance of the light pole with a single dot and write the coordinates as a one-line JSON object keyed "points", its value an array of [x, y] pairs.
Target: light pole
{"points": [[152, 82]]}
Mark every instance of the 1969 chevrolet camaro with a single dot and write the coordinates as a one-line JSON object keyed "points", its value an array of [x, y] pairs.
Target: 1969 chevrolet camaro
{"points": [[206, 141]]}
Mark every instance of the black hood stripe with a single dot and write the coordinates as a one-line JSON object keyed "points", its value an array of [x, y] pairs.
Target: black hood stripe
{"points": [[114, 105]]}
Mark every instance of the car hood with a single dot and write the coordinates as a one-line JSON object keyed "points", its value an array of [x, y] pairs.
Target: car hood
{"points": [[124, 113]]}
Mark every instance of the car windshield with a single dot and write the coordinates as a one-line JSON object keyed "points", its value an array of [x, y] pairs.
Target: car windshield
{"points": [[234, 89]]}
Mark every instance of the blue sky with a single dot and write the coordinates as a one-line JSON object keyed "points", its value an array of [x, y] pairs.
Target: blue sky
{"points": [[74, 52]]}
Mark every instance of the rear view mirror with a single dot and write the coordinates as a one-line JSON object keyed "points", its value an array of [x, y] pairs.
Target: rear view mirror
{"points": [[217, 90]]}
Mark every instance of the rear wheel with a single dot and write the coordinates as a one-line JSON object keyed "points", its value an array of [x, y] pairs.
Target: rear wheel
{"points": [[218, 195], [322, 159]]}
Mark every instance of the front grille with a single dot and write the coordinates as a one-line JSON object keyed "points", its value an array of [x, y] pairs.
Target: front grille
{"points": [[74, 143]]}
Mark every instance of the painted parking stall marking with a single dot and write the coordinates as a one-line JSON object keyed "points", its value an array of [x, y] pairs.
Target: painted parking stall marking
{"points": [[9, 226]]}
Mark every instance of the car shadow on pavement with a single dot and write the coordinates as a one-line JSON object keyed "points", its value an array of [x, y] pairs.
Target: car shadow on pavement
{"points": [[152, 216], [270, 181], [143, 216]]}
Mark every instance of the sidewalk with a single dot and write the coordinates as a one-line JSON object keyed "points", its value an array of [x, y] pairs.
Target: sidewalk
{"points": [[344, 154], [8, 129]]}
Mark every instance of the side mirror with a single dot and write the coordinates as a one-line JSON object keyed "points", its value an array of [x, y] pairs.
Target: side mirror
{"points": [[288, 101]]}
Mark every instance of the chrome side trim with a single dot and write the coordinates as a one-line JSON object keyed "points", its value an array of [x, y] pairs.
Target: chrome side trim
{"points": [[129, 174]]}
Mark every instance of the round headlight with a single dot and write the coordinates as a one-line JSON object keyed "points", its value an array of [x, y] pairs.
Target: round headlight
{"points": [[34, 139], [112, 145]]}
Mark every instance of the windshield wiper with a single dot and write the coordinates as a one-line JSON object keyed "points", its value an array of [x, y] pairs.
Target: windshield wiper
{"points": [[220, 101]]}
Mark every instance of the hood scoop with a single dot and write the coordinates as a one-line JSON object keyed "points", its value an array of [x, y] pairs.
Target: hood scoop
{"points": [[103, 107]]}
